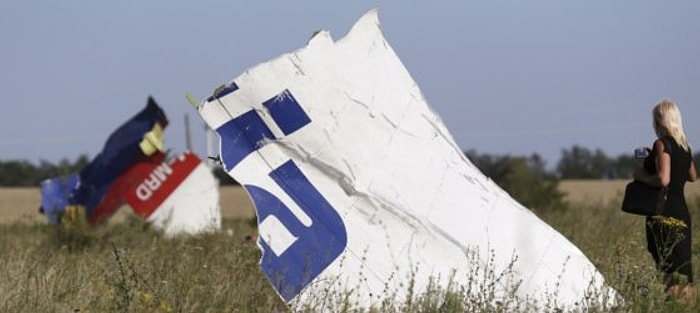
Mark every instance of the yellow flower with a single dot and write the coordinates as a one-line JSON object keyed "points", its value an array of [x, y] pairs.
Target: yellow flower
{"points": [[74, 215], [671, 222], [147, 298], [165, 306]]}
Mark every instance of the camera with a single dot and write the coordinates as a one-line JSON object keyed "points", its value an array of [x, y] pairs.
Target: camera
{"points": [[641, 152]]}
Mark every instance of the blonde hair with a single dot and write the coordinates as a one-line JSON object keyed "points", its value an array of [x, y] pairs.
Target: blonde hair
{"points": [[667, 122]]}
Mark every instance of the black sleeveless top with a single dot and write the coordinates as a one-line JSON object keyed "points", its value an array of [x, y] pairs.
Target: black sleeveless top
{"points": [[680, 166]]}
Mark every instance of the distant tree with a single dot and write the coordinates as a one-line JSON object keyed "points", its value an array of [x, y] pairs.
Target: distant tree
{"points": [[574, 163], [18, 173], [539, 166], [532, 189], [524, 178], [623, 167], [82, 161], [25, 173], [47, 169], [602, 166], [492, 166], [581, 163]]}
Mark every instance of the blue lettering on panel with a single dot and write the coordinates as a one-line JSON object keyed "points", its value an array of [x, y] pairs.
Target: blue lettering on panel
{"points": [[287, 112], [241, 136], [223, 91], [316, 246]]}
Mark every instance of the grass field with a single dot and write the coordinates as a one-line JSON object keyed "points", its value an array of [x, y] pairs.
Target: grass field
{"points": [[126, 267], [606, 191]]}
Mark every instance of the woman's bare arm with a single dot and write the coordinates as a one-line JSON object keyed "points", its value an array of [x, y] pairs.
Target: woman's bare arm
{"points": [[692, 174], [663, 164]]}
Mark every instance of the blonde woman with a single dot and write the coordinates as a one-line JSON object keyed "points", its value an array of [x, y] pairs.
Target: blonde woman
{"points": [[670, 164]]}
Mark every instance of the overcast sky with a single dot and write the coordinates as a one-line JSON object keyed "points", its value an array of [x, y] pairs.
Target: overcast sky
{"points": [[507, 77]]}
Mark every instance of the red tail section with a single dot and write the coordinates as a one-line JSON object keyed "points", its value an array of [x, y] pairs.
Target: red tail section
{"points": [[114, 197], [152, 183]]}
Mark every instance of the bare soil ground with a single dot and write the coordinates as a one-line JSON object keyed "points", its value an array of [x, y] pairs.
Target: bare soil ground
{"points": [[22, 204]]}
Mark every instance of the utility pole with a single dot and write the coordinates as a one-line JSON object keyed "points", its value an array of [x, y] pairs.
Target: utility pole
{"points": [[188, 137]]}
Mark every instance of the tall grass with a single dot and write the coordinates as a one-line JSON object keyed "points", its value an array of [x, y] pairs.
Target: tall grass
{"points": [[127, 267]]}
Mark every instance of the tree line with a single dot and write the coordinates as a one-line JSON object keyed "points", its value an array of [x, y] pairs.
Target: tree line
{"points": [[22, 173], [575, 163], [526, 178]]}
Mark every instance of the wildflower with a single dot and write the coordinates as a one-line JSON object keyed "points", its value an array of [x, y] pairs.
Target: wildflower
{"points": [[671, 222]]}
